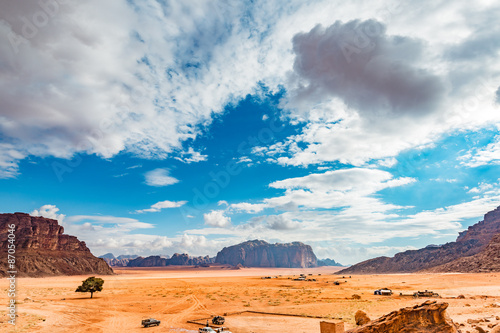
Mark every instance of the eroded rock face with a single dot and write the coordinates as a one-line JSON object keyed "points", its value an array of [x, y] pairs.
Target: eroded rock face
{"points": [[469, 243], [429, 317], [38, 233], [117, 262], [488, 260], [258, 253], [42, 248]]}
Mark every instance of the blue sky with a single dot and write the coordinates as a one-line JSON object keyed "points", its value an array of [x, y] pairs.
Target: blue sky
{"points": [[155, 127]]}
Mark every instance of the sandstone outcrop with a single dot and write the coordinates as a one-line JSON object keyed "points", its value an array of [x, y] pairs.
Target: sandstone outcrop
{"points": [[258, 253], [429, 317], [469, 243], [42, 249], [361, 318]]}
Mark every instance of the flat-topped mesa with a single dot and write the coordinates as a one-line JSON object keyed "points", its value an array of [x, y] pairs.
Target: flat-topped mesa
{"points": [[258, 253], [42, 248]]}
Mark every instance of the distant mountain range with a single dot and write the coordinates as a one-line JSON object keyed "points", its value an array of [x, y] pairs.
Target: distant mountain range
{"points": [[475, 250], [177, 259], [120, 261], [255, 253], [328, 262]]}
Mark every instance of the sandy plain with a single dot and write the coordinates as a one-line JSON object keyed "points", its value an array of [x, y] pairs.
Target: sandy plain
{"points": [[176, 295]]}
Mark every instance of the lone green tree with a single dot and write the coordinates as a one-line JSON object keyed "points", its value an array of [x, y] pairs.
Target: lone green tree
{"points": [[91, 285]]}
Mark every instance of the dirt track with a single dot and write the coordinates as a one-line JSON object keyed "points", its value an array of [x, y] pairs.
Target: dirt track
{"points": [[176, 295]]}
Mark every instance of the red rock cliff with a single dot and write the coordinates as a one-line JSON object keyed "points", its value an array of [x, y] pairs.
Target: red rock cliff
{"points": [[42, 248]]}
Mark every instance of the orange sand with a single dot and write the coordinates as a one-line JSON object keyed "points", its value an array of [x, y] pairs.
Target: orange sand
{"points": [[175, 295]]}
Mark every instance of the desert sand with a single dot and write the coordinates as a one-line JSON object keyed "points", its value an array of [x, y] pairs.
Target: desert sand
{"points": [[176, 295]]}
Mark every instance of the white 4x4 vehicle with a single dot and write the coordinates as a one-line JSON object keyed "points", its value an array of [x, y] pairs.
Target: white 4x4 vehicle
{"points": [[211, 330], [206, 330]]}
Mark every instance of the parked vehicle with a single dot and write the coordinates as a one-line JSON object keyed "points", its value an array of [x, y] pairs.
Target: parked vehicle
{"points": [[425, 293], [150, 322], [208, 329], [383, 292], [218, 320]]}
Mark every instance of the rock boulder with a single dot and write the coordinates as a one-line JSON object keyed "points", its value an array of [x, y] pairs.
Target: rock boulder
{"points": [[429, 317]]}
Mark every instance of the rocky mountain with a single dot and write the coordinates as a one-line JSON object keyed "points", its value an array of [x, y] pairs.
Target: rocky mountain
{"points": [[120, 261], [488, 260], [42, 249], [177, 259], [127, 256], [151, 261], [117, 262], [328, 262], [258, 253], [107, 256], [429, 317], [469, 243]]}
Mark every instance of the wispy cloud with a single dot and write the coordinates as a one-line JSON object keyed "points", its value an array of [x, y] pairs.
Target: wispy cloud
{"points": [[125, 223], [162, 205], [191, 156], [489, 155]]}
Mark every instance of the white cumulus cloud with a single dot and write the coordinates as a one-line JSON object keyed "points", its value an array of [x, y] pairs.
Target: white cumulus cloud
{"points": [[216, 218], [49, 211], [160, 177]]}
